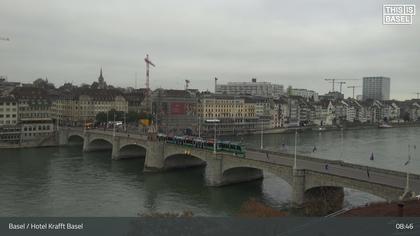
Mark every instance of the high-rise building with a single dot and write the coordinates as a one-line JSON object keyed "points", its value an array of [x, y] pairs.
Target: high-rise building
{"points": [[376, 88], [254, 88]]}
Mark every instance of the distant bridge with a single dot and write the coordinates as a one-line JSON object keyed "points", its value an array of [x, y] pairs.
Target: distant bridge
{"points": [[310, 181]]}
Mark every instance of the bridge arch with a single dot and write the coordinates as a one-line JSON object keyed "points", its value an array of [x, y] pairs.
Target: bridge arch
{"points": [[132, 150], [241, 174], [75, 139], [378, 190], [183, 160], [98, 144]]}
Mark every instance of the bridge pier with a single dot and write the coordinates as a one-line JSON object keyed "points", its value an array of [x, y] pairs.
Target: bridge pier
{"points": [[62, 138], [154, 160], [86, 143], [298, 188], [115, 148], [214, 171], [323, 200]]}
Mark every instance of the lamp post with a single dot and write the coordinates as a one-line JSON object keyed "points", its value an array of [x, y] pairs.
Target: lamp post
{"points": [[262, 135], [214, 116], [214, 121], [113, 126], [107, 121], [84, 125], [199, 127], [407, 183], [125, 122], [295, 162]]}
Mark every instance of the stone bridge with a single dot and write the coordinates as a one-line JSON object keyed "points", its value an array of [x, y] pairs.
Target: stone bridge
{"points": [[311, 181]]}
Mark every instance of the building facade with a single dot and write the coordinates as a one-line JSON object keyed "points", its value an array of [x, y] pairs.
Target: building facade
{"points": [[8, 111], [376, 88], [253, 88], [82, 105], [175, 111]]}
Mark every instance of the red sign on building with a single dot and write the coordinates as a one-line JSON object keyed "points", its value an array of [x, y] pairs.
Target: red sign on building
{"points": [[178, 108]]}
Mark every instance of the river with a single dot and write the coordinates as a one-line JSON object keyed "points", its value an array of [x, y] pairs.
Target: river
{"points": [[64, 181]]}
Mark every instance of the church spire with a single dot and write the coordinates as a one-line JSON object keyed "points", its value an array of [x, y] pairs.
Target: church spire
{"points": [[101, 81], [100, 76]]}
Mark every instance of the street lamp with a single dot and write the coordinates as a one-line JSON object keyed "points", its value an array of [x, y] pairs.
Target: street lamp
{"points": [[262, 135], [113, 126], [214, 121], [199, 126], [295, 162]]}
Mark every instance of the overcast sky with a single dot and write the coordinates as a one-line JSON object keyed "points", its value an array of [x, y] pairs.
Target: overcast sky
{"points": [[297, 43]]}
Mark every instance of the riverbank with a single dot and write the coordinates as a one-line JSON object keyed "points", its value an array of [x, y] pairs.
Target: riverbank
{"points": [[333, 128], [409, 208], [50, 141]]}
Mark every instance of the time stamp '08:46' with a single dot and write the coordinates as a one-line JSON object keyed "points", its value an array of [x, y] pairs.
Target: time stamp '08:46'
{"points": [[404, 226]]}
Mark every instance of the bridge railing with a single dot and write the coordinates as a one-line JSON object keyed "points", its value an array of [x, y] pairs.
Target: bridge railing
{"points": [[339, 162]]}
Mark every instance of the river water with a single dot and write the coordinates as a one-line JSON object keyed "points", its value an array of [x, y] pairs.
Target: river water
{"points": [[64, 181]]}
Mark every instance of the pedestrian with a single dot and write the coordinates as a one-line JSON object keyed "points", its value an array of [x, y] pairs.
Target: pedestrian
{"points": [[372, 157], [367, 172], [326, 166], [314, 149], [266, 154]]}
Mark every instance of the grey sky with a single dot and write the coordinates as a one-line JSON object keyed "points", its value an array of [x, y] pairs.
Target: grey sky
{"points": [[296, 43]]}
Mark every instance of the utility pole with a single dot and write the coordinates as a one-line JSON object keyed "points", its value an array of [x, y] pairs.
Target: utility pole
{"points": [[135, 80], [418, 95], [262, 135], [295, 155], [353, 87], [125, 122], [214, 116], [199, 126], [113, 126]]}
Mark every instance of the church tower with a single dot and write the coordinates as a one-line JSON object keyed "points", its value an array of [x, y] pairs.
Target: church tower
{"points": [[101, 81]]}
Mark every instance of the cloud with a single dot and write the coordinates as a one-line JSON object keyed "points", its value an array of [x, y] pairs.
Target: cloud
{"points": [[296, 43]]}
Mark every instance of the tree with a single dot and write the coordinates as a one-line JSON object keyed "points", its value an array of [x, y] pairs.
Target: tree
{"points": [[101, 117], [41, 83], [406, 116], [133, 117], [95, 85], [84, 86], [119, 115]]}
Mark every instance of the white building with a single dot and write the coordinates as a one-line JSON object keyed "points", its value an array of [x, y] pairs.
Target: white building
{"points": [[8, 111], [254, 88], [305, 93]]}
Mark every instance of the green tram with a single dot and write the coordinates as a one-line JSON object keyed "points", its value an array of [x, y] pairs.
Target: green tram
{"points": [[195, 142]]}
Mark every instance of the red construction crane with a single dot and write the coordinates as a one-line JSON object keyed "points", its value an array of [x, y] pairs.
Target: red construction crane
{"points": [[148, 93]]}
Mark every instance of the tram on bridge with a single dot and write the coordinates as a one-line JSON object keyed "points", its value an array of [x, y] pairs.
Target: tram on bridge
{"points": [[196, 142]]}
